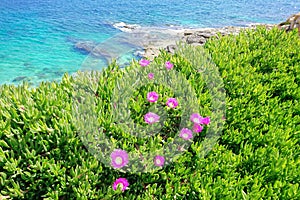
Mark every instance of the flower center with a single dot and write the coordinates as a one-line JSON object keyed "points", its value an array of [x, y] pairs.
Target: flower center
{"points": [[196, 120], [151, 119], [121, 185], [118, 160], [185, 135], [158, 161]]}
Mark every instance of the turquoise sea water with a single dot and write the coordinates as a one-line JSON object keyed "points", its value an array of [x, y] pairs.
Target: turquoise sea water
{"points": [[37, 37]]}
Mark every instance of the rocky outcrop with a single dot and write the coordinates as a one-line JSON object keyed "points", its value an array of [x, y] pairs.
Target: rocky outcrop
{"points": [[291, 23], [125, 27], [149, 40], [19, 78], [200, 36], [101, 50], [85, 46], [152, 40]]}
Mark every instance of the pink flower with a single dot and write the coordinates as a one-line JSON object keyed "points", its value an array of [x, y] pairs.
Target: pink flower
{"points": [[197, 128], [144, 62], [196, 118], [122, 182], [150, 76], [205, 120], [172, 103], [151, 118], [152, 97], [186, 134], [159, 161], [169, 65], [119, 158]]}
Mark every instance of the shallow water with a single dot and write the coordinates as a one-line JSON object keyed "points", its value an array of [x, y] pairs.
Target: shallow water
{"points": [[37, 37]]}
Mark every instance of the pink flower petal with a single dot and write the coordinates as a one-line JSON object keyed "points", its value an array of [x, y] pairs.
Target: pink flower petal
{"points": [[151, 118], [205, 120], [172, 103], [152, 97], [169, 65], [197, 128], [119, 158], [144, 62], [196, 118], [186, 134], [159, 161], [150, 76], [123, 182]]}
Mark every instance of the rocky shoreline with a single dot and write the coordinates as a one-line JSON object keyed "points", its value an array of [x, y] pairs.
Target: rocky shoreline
{"points": [[148, 41], [197, 37]]}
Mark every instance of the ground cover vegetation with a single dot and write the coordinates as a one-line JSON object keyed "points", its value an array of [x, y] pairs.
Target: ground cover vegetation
{"points": [[257, 155]]}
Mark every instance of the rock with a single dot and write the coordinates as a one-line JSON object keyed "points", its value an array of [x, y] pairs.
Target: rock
{"points": [[200, 36], [151, 52], [171, 48], [125, 27], [151, 40], [19, 78], [197, 44], [195, 39], [99, 52], [90, 47], [206, 34], [85, 46], [187, 33], [285, 27]]}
